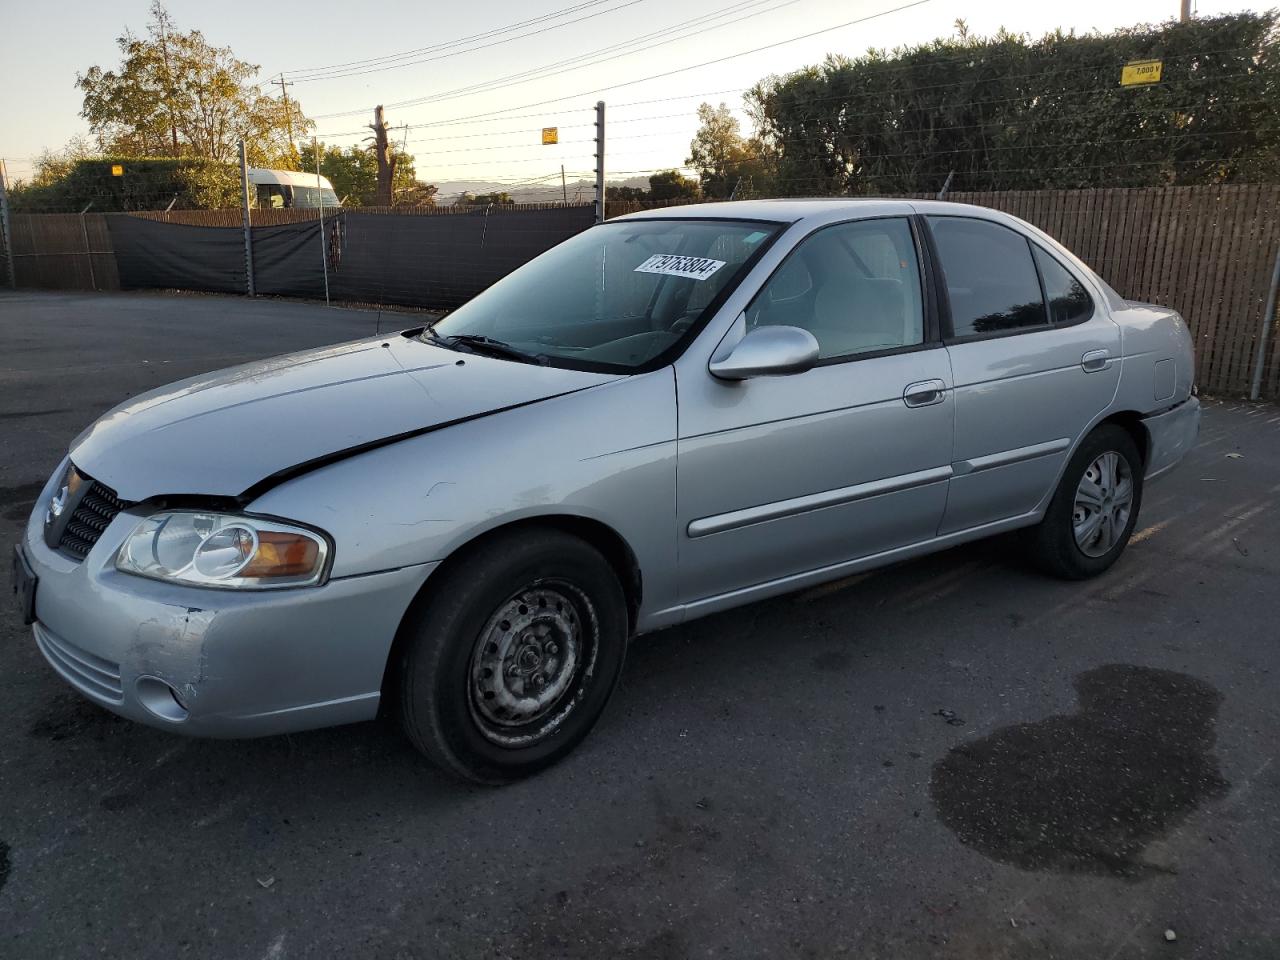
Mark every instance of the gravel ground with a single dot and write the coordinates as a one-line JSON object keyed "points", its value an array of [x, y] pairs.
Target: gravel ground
{"points": [[953, 757]]}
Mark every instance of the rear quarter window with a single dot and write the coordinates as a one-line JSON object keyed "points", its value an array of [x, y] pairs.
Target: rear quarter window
{"points": [[1068, 300], [991, 278]]}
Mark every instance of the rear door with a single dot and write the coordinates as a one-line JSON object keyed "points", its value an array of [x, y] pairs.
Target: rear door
{"points": [[1035, 360]]}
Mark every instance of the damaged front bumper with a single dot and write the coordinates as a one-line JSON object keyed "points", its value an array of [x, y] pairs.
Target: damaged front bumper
{"points": [[210, 662]]}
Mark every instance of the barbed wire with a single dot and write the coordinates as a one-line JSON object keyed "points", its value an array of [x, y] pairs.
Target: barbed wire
{"points": [[846, 96]]}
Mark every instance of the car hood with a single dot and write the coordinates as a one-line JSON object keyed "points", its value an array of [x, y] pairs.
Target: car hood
{"points": [[229, 432]]}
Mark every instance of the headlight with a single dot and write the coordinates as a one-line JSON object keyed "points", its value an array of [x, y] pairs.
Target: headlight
{"points": [[224, 550]]}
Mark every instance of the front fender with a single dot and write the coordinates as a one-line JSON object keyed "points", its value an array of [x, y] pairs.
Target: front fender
{"points": [[606, 454]]}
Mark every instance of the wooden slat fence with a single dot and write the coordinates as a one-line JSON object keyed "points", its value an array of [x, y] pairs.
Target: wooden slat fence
{"points": [[63, 251], [1206, 251]]}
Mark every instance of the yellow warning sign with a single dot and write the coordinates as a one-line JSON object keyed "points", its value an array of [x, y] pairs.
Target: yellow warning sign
{"points": [[117, 170], [1138, 73], [550, 135]]}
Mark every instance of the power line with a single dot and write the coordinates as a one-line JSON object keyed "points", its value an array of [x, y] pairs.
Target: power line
{"points": [[656, 76], [484, 46], [499, 115], [563, 11], [1141, 112], [606, 54]]}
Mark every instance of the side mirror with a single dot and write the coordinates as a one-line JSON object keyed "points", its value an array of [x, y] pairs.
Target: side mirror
{"points": [[768, 352]]}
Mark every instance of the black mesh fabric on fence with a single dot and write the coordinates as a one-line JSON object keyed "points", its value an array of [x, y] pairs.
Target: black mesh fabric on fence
{"points": [[413, 260], [286, 258], [442, 261], [151, 254]]}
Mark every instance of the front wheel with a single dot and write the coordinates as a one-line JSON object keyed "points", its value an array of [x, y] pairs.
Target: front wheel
{"points": [[512, 656], [1094, 509]]}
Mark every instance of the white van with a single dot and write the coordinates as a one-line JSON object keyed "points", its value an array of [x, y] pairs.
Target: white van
{"points": [[276, 189]]}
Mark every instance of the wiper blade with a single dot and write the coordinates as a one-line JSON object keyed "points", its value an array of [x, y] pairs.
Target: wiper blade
{"points": [[429, 333], [498, 348]]}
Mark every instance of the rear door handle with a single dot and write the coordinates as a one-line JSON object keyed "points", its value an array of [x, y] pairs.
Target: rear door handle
{"points": [[924, 393], [1095, 360]]}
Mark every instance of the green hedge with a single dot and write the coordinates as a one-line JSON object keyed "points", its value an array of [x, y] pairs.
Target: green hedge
{"points": [[146, 184], [1008, 113]]}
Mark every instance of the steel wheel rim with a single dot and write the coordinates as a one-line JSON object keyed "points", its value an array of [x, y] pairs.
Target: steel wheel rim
{"points": [[1103, 503], [530, 663]]}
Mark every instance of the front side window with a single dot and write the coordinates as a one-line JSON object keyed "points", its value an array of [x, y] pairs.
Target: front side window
{"points": [[854, 286], [991, 279], [1068, 300], [270, 196], [615, 296]]}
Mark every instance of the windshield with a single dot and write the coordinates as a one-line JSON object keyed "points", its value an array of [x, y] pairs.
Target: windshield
{"points": [[618, 295]]}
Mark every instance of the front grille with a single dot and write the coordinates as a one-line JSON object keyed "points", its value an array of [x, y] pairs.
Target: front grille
{"points": [[97, 508], [85, 671]]}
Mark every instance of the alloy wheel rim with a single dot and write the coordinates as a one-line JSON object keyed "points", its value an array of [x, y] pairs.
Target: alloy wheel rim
{"points": [[1103, 503], [530, 663]]}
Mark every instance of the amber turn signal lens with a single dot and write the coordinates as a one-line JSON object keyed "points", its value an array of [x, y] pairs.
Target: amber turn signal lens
{"points": [[282, 555]]}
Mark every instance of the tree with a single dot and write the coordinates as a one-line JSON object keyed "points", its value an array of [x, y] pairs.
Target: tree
{"points": [[175, 95], [484, 199], [625, 193], [671, 185], [724, 159], [354, 175], [1012, 113], [385, 157], [416, 194], [55, 165]]}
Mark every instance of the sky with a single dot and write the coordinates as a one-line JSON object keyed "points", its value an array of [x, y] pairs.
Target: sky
{"points": [[494, 135]]}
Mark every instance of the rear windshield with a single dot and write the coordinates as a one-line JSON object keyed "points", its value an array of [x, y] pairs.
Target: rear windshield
{"points": [[617, 296]]}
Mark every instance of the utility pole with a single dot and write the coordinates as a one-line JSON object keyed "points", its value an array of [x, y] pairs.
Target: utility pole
{"points": [[564, 190], [600, 161], [1186, 11], [1268, 318], [288, 114], [324, 240], [248, 230], [6, 235], [383, 154]]}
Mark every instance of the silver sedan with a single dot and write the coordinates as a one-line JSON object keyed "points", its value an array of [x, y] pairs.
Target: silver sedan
{"points": [[668, 415]]}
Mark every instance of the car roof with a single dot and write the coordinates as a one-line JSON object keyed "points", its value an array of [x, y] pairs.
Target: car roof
{"points": [[820, 211], [815, 208], [296, 178]]}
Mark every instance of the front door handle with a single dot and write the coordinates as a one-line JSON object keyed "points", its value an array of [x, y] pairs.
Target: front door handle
{"points": [[1095, 360], [924, 393]]}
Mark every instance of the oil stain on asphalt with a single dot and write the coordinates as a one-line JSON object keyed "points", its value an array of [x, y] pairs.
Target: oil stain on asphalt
{"points": [[1086, 792]]}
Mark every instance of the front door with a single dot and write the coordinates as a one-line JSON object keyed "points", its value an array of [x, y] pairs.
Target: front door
{"points": [[779, 476], [1035, 361]]}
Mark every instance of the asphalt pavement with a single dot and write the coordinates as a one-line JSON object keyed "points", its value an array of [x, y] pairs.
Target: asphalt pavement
{"points": [[953, 757]]}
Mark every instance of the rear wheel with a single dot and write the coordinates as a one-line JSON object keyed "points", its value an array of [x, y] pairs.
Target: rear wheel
{"points": [[1095, 508], [512, 656]]}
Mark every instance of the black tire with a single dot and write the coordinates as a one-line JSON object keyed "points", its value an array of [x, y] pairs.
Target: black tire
{"points": [[1052, 543], [564, 590]]}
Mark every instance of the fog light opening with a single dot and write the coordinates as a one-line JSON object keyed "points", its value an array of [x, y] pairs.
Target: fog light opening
{"points": [[160, 699]]}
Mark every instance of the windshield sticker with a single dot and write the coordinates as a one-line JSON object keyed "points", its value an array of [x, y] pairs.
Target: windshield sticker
{"points": [[754, 237], [673, 265]]}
